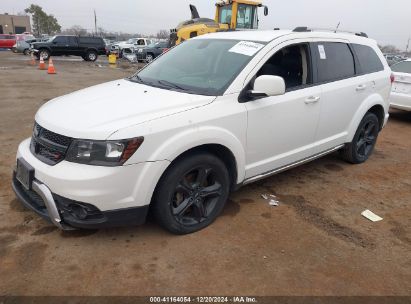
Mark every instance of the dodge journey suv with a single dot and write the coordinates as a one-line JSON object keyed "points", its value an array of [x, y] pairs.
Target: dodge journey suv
{"points": [[214, 113]]}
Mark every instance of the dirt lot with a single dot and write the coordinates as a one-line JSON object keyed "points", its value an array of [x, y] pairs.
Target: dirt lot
{"points": [[315, 243]]}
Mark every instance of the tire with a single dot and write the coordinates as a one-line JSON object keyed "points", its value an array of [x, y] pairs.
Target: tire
{"points": [[45, 54], [149, 58], [363, 143], [191, 193], [26, 52], [84, 58], [91, 56]]}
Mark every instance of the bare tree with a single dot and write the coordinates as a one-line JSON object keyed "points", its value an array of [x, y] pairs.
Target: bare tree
{"points": [[75, 30], [162, 34], [389, 49]]}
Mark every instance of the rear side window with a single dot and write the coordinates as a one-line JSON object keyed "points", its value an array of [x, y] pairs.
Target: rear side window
{"points": [[334, 61], [369, 60], [90, 40], [402, 67]]}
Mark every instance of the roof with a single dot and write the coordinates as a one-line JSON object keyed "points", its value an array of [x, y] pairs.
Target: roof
{"points": [[269, 35]]}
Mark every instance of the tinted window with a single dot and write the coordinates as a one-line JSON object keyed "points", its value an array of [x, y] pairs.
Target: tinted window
{"points": [[72, 40], [90, 40], [60, 40], [402, 67], [335, 61], [369, 60]]}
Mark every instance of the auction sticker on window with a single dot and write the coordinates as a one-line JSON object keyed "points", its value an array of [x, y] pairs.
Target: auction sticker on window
{"points": [[247, 48], [321, 50]]}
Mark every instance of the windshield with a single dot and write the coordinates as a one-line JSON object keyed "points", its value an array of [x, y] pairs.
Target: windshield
{"points": [[402, 67], [51, 39], [199, 66]]}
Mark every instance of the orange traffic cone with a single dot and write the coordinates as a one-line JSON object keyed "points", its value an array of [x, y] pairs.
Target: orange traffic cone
{"points": [[32, 61], [51, 69], [42, 65]]}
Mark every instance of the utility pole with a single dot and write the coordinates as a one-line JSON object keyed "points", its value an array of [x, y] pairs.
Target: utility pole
{"points": [[408, 44], [95, 22]]}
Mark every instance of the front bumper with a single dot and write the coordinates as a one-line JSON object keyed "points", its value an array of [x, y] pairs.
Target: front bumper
{"points": [[56, 210], [121, 195], [400, 101]]}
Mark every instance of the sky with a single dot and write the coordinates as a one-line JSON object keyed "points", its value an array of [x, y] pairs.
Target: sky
{"points": [[389, 22]]}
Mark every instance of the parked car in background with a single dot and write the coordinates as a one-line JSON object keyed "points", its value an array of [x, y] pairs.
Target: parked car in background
{"points": [[23, 43], [152, 51], [401, 89], [7, 41], [130, 45], [393, 59], [87, 47]]}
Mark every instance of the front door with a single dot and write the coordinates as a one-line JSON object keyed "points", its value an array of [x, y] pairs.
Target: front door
{"points": [[281, 129]]}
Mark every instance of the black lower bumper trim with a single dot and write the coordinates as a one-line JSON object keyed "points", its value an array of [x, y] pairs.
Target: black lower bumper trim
{"points": [[113, 218]]}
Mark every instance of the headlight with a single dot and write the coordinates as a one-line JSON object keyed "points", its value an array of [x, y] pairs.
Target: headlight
{"points": [[102, 153], [140, 50]]}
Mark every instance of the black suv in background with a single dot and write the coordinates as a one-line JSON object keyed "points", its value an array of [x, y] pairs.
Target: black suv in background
{"points": [[87, 47]]}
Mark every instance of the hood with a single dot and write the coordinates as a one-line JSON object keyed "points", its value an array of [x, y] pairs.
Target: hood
{"points": [[99, 111]]}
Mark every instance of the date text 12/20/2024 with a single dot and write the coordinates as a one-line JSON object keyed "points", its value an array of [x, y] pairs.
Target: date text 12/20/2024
{"points": [[233, 299]]}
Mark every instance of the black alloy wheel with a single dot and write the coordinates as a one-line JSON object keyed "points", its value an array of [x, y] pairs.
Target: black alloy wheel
{"points": [[191, 193]]}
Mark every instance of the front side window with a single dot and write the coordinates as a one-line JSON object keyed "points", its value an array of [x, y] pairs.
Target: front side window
{"points": [[245, 16], [334, 60], [402, 67], [292, 63], [225, 14], [200, 66], [369, 60]]}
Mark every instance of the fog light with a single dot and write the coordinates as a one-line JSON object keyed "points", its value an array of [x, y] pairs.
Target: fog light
{"points": [[78, 211]]}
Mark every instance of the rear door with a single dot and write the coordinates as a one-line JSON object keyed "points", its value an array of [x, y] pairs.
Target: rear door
{"points": [[340, 91], [73, 48]]}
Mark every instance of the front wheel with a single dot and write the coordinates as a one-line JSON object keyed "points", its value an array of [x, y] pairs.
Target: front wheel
{"points": [[362, 145], [149, 58], [45, 54], [191, 194]]}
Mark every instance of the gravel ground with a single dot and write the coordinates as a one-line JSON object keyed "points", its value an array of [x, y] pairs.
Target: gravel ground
{"points": [[314, 243]]}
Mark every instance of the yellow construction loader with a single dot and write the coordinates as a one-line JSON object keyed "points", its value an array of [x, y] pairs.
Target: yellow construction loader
{"points": [[230, 15]]}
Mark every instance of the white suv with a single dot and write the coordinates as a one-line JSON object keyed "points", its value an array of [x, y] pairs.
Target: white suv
{"points": [[212, 114]]}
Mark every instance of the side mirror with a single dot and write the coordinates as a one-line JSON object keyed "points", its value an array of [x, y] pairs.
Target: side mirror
{"points": [[268, 85], [265, 10]]}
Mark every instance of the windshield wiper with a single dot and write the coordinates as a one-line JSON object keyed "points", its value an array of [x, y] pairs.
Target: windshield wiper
{"points": [[171, 85], [138, 78]]}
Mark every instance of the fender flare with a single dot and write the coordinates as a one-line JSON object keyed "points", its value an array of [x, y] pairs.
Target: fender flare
{"points": [[371, 101], [189, 139]]}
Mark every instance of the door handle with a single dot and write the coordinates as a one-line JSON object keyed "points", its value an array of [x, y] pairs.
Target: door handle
{"points": [[361, 87], [312, 99]]}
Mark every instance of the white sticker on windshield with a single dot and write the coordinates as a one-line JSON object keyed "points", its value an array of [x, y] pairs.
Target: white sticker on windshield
{"points": [[247, 48], [321, 50]]}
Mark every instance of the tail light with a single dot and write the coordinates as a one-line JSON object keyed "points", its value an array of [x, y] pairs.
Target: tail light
{"points": [[392, 78]]}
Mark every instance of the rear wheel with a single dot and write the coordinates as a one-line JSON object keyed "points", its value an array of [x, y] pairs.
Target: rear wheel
{"points": [[191, 194], [26, 52], [362, 145], [91, 56]]}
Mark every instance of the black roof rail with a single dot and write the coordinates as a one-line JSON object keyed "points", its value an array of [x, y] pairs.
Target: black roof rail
{"points": [[301, 29], [362, 34], [307, 29]]}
